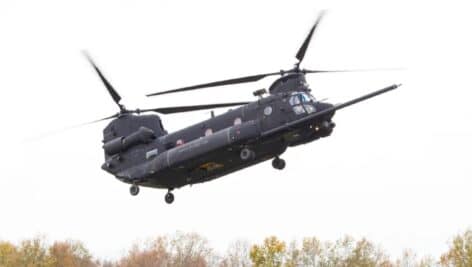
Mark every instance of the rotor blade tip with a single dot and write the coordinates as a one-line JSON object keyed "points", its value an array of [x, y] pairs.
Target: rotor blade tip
{"points": [[89, 58], [153, 94], [85, 53]]}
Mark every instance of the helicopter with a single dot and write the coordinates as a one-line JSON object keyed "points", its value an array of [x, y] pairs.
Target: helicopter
{"points": [[139, 151]]}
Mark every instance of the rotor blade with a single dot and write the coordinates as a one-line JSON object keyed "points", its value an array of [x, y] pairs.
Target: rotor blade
{"points": [[51, 133], [353, 70], [170, 110], [114, 94], [365, 97], [246, 79], [301, 52], [103, 119], [331, 109]]}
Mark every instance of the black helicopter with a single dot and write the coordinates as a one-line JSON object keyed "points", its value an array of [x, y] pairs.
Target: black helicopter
{"points": [[139, 151]]}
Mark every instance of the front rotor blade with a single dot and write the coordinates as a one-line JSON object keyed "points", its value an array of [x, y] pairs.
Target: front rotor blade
{"points": [[301, 52], [246, 79], [114, 94], [351, 70], [333, 108], [170, 110]]}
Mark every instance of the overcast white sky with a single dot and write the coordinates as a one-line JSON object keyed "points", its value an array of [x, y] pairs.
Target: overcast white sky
{"points": [[396, 169]]}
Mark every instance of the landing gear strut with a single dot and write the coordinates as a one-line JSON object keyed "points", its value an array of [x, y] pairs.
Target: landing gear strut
{"points": [[278, 163], [134, 190], [169, 197]]}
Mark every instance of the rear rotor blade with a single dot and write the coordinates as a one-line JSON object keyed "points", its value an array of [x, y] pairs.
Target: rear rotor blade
{"points": [[63, 129], [114, 94], [246, 79], [170, 110], [301, 52], [104, 119]]}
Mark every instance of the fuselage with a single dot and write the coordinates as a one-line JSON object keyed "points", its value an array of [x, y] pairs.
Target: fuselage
{"points": [[212, 148]]}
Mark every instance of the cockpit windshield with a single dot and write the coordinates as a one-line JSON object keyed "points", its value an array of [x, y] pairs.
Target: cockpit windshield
{"points": [[298, 98], [302, 102], [304, 97]]}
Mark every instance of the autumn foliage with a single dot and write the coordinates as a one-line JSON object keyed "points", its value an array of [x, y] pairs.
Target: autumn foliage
{"points": [[182, 250], [35, 253]]}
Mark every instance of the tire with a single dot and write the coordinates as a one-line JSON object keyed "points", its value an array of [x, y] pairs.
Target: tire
{"points": [[134, 190], [169, 198], [278, 163]]}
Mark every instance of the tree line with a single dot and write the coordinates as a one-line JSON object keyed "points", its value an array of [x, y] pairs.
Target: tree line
{"points": [[193, 250]]}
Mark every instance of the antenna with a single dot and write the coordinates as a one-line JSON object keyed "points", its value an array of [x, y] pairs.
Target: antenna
{"points": [[260, 92]]}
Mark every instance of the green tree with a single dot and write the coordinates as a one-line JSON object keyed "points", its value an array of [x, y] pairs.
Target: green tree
{"points": [[269, 254]]}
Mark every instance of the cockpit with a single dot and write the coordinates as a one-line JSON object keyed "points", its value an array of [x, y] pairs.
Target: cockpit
{"points": [[302, 102]]}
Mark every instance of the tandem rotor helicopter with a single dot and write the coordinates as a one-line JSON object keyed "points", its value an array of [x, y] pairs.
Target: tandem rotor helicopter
{"points": [[139, 151]]}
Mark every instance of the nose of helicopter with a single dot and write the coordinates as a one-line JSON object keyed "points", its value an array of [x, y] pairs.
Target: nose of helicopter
{"points": [[325, 107], [325, 126]]}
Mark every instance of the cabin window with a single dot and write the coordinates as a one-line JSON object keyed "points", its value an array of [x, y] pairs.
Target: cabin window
{"points": [[179, 142], [151, 153], [238, 121], [267, 110], [208, 132]]}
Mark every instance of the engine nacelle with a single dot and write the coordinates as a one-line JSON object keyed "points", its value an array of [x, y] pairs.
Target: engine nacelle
{"points": [[119, 144]]}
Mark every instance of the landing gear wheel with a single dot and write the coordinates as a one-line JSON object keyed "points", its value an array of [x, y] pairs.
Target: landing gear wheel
{"points": [[247, 154], [278, 163], [169, 198], [134, 190]]}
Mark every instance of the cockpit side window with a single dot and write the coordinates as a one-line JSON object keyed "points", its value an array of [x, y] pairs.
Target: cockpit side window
{"points": [[162, 127], [294, 99]]}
